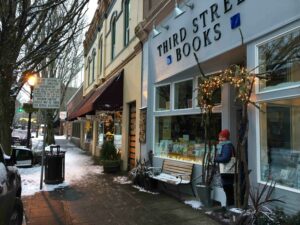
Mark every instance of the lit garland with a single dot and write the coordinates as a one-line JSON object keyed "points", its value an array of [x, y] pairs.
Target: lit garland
{"points": [[236, 75]]}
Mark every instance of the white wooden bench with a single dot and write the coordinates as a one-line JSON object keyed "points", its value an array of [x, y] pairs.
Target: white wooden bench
{"points": [[174, 173]]}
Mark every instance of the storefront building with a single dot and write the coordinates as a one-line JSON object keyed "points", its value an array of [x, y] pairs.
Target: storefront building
{"points": [[112, 80], [253, 34]]}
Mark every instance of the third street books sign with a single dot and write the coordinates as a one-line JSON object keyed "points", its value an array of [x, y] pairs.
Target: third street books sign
{"points": [[46, 93]]}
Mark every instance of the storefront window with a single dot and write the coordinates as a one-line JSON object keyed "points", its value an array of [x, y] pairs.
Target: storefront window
{"points": [[118, 129], [100, 133], [88, 131], [184, 95], [280, 59], [182, 137], [280, 142], [162, 98]]}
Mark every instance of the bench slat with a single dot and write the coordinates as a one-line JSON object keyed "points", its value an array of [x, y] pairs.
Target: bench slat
{"points": [[177, 167], [177, 164]]}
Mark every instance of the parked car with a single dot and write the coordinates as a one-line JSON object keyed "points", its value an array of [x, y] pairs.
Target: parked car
{"points": [[11, 207], [19, 137], [22, 156]]}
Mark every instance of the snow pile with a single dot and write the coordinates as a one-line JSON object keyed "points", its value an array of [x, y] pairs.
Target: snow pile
{"points": [[144, 190], [77, 166], [122, 180], [195, 204]]}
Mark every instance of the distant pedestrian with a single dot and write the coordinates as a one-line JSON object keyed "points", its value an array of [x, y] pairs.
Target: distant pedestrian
{"points": [[224, 158]]}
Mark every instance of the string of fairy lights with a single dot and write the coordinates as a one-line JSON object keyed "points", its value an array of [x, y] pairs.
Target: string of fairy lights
{"points": [[235, 75]]}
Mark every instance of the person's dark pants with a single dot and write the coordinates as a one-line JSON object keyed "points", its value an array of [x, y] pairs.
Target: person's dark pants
{"points": [[227, 181]]}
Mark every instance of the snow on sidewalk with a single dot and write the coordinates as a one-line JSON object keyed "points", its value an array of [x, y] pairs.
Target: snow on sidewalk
{"points": [[77, 166]]}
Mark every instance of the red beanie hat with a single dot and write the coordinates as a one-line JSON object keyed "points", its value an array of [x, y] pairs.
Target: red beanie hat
{"points": [[225, 133]]}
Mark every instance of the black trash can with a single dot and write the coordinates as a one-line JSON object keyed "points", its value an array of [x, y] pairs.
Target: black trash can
{"points": [[54, 165]]}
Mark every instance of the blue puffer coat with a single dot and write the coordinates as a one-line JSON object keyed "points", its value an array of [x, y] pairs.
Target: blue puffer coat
{"points": [[226, 152]]}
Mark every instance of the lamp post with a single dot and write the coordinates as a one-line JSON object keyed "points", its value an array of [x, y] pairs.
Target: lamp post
{"points": [[31, 81]]}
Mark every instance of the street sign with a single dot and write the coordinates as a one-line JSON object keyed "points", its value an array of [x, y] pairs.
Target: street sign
{"points": [[46, 93]]}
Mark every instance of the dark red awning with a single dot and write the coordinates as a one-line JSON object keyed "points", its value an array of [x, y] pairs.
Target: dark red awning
{"points": [[108, 96]]}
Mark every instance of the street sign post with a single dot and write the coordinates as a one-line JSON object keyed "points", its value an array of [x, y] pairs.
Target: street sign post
{"points": [[46, 95]]}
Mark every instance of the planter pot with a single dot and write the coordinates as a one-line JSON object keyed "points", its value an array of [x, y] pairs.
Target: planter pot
{"points": [[204, 194], [111, 166]]}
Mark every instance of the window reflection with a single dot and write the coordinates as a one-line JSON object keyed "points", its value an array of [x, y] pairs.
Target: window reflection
{"points": [[280, 58], [184, 95], [162, 98]]}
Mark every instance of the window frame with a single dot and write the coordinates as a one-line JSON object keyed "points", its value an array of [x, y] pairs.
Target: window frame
{"points": [[93, 65], [126, 22], [155, 92], [267, 96], [100, 49], [113, 37], [193, 94], [89, 70], [264, 42]]}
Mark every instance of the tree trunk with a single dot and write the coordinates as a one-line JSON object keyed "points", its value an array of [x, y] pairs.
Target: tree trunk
{"points": [[242, 181], [7, 110], [50, 129]]}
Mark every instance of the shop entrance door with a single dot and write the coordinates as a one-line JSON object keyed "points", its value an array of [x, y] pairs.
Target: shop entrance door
{"points": [[131, 136]]}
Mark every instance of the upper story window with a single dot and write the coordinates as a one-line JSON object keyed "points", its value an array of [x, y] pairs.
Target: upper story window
{"points": [[89, 71], [183, 93], [126, 21], [113, 37], [280, 59], [100, 55], [93, 65], [162, 98]]}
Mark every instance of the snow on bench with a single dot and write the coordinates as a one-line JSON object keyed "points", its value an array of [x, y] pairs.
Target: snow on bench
{"points": [[174, 173]]}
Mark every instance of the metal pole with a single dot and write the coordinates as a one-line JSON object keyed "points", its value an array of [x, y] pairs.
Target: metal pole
{"points": [[29, 121], [43, 156]]}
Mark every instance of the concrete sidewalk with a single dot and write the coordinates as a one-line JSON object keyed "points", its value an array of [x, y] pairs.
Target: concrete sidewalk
{"points": [[98, 200]]}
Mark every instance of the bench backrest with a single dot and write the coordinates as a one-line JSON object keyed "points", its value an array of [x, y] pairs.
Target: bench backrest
{"points": [[176, 167]]}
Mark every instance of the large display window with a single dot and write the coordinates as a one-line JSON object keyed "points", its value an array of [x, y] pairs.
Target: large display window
{"points": [[280, 59], [280, 142], [181, 137]]}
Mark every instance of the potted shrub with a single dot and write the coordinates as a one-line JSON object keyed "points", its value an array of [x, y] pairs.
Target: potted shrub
{"points": [[109, 157]]}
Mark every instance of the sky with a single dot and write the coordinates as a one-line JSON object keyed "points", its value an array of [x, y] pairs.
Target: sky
{"points": [[92, 6]]}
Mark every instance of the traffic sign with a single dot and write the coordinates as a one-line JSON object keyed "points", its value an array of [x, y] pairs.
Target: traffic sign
{"points": [[46, 93]]}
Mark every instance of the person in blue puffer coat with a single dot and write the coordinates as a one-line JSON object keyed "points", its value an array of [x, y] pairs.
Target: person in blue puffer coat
{"points": [[225, 152]]}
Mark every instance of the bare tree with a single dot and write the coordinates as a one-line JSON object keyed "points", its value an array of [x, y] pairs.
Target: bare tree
{"points": [[24, 46], [65, 68]]}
